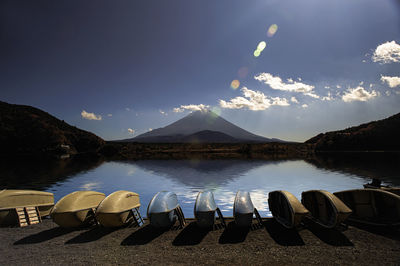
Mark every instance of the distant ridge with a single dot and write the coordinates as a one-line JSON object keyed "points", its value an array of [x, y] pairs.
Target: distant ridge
{"points": [[200, 127], [381, 135]]}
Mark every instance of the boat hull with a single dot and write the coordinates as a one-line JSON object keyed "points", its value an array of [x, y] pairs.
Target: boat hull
{"points": [[76, 209], [327, 209], [394, 190], [115, 209], [161, 209], [243, 209], [204, 209], [286, 208], [372, 206], [163, 220]]}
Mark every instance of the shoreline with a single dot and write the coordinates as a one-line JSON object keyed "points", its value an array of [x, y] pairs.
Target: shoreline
{"points": [[269, 244]]}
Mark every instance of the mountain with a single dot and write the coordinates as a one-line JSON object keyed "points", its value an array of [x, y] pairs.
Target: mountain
{"points": [[25, 130], [382, 135], [201, 127]]}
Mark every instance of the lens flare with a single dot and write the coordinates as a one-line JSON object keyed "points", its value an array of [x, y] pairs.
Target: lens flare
{"points": [[261, 46], [256, 53], [235, 84], [272, 30]]}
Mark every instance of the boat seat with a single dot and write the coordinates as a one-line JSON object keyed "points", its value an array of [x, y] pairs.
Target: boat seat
{"points": [[28, 215]]}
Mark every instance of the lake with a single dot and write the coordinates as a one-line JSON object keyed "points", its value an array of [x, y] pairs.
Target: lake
{"points": [[187, 177]]}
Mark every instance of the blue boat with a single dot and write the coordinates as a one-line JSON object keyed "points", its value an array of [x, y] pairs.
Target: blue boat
{"points": [[205, 208], [243, 209], [164, 210]]}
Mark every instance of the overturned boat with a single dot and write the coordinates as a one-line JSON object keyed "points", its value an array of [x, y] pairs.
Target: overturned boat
{"points": [[372, 206], [394, 190], [76, 209], [164, 210], [243, 209], [286, 208], [205, 209], [118, 209], [326, 209], [24, 206]]}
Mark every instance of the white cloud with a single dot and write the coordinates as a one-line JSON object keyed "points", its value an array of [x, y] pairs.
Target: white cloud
{"points": [[361, 83], [304, 106], [338, 86], [276, 83], [358, 94], [327, 87], [388, 52], [387, 93], [256, 101], [127, 109], [90, 116], [131, 131], [162, 112], [150, 129], [109, 115], [294, 100], [191, 107], [391, 81]]}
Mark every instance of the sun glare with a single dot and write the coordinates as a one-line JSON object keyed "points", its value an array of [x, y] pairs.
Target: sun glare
{"points": [[272, 30]]}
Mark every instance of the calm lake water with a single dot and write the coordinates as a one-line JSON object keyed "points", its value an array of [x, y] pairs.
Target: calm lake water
{"points": [[187, 177]]}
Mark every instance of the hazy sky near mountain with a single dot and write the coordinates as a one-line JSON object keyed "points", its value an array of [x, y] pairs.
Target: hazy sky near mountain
{"points": [[121, 68]]}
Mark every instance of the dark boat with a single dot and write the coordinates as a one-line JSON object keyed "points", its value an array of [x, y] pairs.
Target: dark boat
{"points": [[395, 190], [372, 206], [326, 209], [164, 210], [205, 209], [286, 208]]}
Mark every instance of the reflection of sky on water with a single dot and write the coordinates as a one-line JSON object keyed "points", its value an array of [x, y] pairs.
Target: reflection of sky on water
{"points": [[223, 177]]}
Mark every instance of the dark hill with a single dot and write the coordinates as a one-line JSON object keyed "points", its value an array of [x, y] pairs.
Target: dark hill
{"points": [[382, 135], [25, 130]]}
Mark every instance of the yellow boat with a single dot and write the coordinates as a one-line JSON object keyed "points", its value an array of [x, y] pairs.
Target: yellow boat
{"points": [[286, 208], [76, 209], [118, 209], [10, 199], [326, 209]]}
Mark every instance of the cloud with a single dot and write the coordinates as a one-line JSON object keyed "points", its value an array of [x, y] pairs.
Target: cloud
{"points": [[328, 98], [294, 100], [388, 52], [256, 101], [276, 83], [358, 94], [127, 109], [191, 107], [90, 116], [150, 129], [162, 112], [131, 131], [109, 115], [304, 106], [391, 81]]}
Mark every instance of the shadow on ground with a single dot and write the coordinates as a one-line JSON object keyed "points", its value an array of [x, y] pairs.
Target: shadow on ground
{"points": [[44, 236], [282, 235], [385, 231], [333, 236], [191, 235], [143, 236], [92, 235], [233, 234]]}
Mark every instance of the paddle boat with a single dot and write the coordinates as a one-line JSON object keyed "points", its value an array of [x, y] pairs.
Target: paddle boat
{"points": [[118, 209], [325, 208], [17, 206], [77, 208], [286, 208], [243, 209], [372, 206], [164, 210], [205, 209]]}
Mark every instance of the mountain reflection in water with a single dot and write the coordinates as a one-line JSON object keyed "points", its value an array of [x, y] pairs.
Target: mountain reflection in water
{"points": [[187, 177]]}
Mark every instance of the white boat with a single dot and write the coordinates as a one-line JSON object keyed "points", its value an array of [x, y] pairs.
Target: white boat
{"points": [[243, 209], [164, 210], [205, 209]]}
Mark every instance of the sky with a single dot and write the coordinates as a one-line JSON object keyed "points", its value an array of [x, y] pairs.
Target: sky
{"points": [[280, 69]]}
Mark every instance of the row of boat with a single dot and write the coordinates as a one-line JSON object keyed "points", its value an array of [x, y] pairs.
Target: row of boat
{"points": [[371, 206]]}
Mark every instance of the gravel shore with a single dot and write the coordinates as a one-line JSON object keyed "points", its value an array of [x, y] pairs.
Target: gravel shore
{"points": [[46, 243]]}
